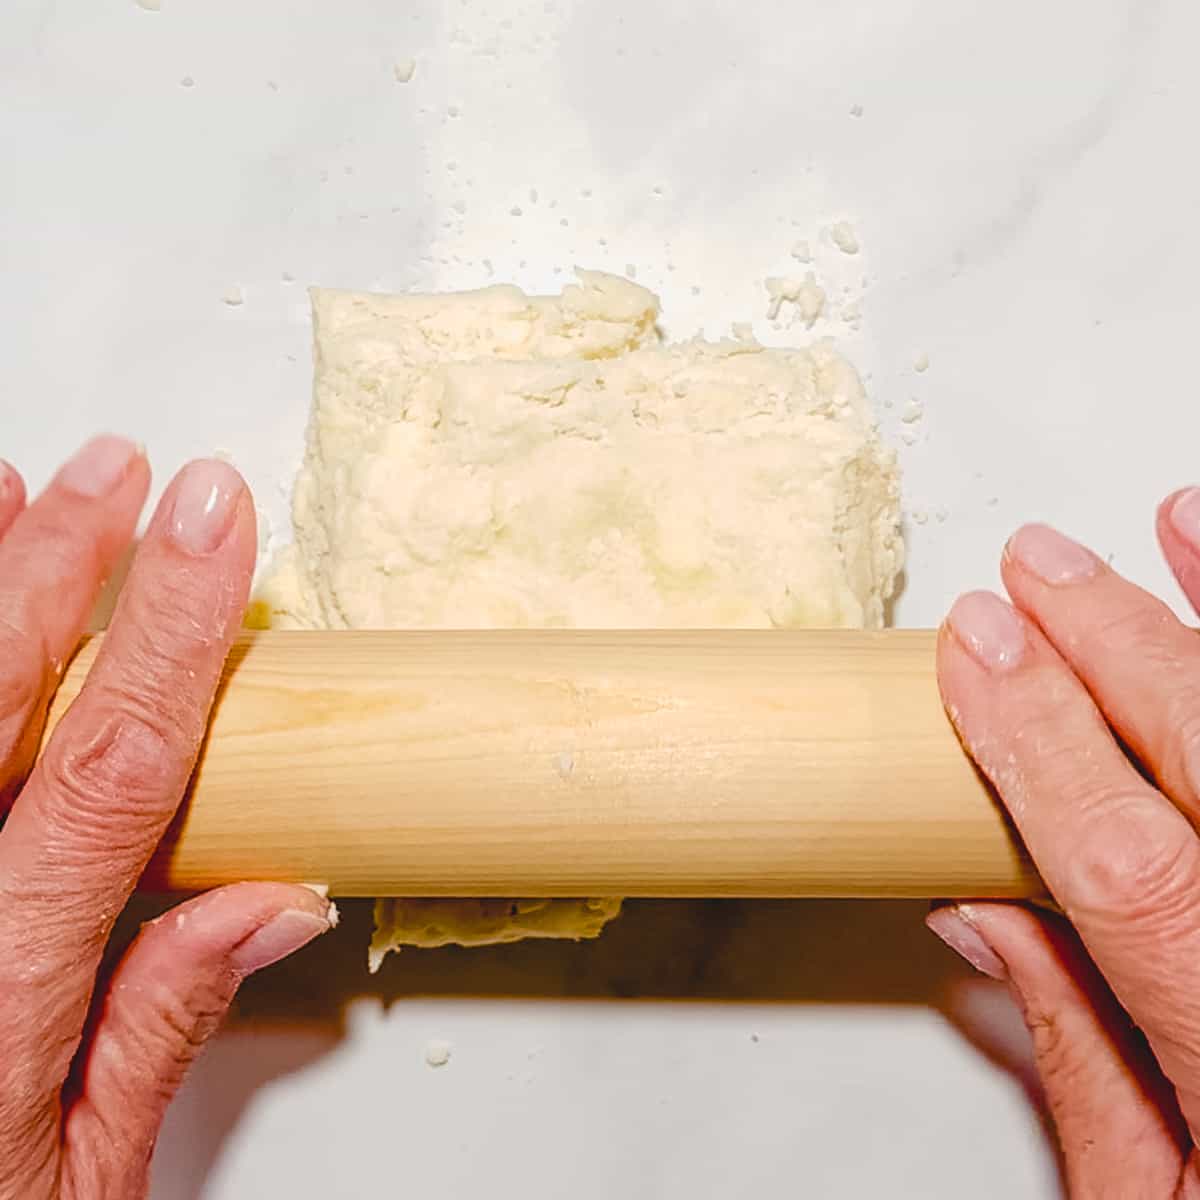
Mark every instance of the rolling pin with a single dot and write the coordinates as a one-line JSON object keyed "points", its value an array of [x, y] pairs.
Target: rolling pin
{"points": [[551, 763]]}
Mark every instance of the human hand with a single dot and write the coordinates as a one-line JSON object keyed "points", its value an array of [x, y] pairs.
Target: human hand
{"points": [[1037, 691], [85, 1078]]}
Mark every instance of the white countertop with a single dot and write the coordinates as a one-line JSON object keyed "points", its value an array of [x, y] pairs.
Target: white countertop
{"points": [[1022, 182]]}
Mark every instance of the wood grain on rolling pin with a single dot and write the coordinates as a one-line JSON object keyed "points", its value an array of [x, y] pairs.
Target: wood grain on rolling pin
{"points": [[747, 763]]}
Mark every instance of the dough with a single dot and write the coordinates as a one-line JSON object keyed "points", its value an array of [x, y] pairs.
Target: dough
{"points": [[492, 459], [437, 922]]}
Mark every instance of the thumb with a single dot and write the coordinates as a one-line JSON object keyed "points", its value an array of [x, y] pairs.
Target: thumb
{"points": [[1116, 1115], [166, 997]]}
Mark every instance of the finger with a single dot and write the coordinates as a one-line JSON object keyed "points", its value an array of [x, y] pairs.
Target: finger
{"points": [[12, 495], [1121, 860], [114, 771], [54, 557], [1116, 1116], [1178, 527], [1141, 665], [167, 996]]}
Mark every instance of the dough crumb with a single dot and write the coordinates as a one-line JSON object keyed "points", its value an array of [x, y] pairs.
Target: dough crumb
{"points": [[802, 252], [437, 1053], [806, 294], [404, 69], [914, 410], [856, 110], [187, 81], [921, 364], [844, 238], [631, 270], [234, 297], [149, 5]]}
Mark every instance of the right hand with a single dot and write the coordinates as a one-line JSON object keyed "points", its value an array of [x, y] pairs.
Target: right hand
{"points": [[1040, 691]]}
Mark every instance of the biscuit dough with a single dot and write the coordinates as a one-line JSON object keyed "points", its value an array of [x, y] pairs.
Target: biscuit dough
{"points": [[492, 459]]}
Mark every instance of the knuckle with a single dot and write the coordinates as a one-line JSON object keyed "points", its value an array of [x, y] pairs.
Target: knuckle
{"points": [[62, 553], [1052, 1048], [158, 1040], [1142, 626], [180, 641], [1041, 746], [1137, 861], [126, 765], [182, 602]]}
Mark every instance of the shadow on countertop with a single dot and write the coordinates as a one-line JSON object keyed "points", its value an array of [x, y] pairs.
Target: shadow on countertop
{"points": [[714, 951], [802, 952]]}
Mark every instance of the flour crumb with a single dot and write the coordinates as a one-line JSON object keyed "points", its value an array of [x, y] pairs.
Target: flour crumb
{"points": [[942, 515], [921, 364], [802, 252], [909, 437], [919, 516], [806, 294], [149, 5], [404, 69], [914, 410], [437, 1053], [564, 764], [856, 110], [187, 81], [844, 238], [631, 270], [516, 211], [234, 297], [742, 331]]}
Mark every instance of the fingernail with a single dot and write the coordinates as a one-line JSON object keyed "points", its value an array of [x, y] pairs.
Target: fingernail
{"points": [[206, 496], [964, 939], [1053, 558], [98, 467], [1185, 516], [989, 629], [280, 936]]}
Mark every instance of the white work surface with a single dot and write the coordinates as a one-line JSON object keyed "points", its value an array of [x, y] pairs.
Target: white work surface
{"points": [[1023, 181]]}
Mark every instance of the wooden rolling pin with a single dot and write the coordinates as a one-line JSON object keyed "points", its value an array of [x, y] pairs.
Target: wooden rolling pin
{"points": [[748, 763]]}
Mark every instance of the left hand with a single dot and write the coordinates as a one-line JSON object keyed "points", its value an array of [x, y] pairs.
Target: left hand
{"points": [[1040, 692], [86, 1071]]}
